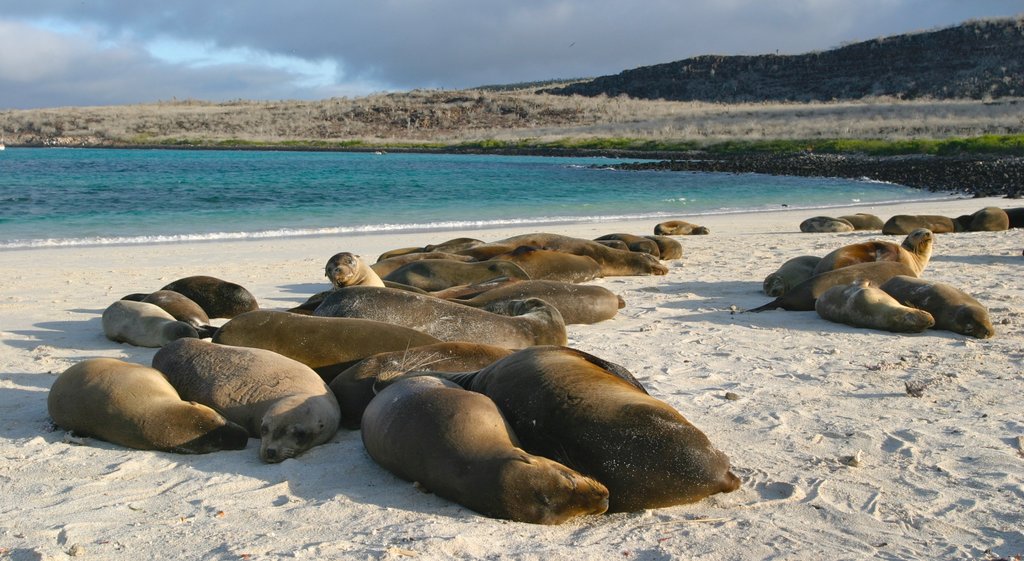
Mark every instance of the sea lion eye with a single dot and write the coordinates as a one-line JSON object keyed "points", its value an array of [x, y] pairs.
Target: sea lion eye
{"points": [[264, 430]]}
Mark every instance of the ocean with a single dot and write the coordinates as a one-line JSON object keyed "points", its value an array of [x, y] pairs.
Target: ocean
{"points": [[51, 197]]}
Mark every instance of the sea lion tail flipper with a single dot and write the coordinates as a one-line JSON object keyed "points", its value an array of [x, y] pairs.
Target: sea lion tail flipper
{"points": [[774, 304]]}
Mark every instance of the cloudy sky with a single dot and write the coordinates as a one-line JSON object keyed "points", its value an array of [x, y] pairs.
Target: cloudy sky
{"points": [[101, 52]]}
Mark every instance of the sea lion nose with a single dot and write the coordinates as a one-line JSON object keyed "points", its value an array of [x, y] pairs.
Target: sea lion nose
{"points": [[271, 453]]}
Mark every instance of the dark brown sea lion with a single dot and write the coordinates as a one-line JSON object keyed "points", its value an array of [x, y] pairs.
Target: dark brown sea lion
{"points": [[384, 267], [679, 228], [578, 303], [634, 243], [571, 407], [133, 405], [614, 244], [1015, 216], [953, 309], [546, 264], [454, 245], [863, 221], [526, 323], [793, 272], [668, 247], [907, 223], [278, 400], [218, 298], [825, 224], [143, 324], [486, 251], [354, 387], [439, 274], [915, 251], [613, 262], [456, 444], [347, 269], [181, 308], [327, 345], [802, 296], [862, 305]]}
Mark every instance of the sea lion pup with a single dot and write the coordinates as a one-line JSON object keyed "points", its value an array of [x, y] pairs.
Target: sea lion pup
{"points": [[825, 224], [325, 344], [578, 303], [988, 219], [385, 266], [907, 223], [668, 247], [528, 322], [572, 407], [614, 262], [547, 264], [802, 296], [439, 274], [218, 298], [679, 228], [915, 251], [347, 269], [793, 272], [863, 221], [953, 309], [134, 406], [354, 387], [143, 324], [457, 445], [861, 305], [636, 243], [278, 400]]}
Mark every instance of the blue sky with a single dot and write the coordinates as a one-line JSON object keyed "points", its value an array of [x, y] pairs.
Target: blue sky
{"points": [[72, 52]]}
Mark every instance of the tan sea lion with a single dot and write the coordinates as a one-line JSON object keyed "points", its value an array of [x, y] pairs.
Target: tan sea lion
{"points": [[278, 400], [486, 251], [182, 308], [861, 305], [863, 221], [825, 224], [668, 247], [143, 324], [679, 228], [528, 322], [328, 345], [953, 309], [347, 269], [218, 298], [456, 444], [802, 296], [133, 405], [354, 387], [572, 407], [384, 267], [439, 274], [454, 245], [915, 251], [614, 262], [578, 303], [988, 219], [546, 264], [907, 223], [793, 272], [634, 243]]}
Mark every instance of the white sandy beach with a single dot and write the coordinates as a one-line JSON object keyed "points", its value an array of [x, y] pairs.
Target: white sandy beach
{"points": [[940, 477]]}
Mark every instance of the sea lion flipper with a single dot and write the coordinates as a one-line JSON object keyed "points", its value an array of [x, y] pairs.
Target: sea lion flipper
{"points": [[774, 304], [618, 370]]}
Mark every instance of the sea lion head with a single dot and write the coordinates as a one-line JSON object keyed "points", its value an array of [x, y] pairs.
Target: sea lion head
{"points": [[342, 269], [555, 492], [293, 425], [974, 321], [919, 242]]}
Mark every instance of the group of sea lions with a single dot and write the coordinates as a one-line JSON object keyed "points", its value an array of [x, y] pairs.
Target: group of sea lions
{"points": [[458, 378], [987, 219]]}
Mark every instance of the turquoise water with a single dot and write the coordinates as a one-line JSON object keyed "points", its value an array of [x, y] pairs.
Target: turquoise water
{"points": [[67, 196]]}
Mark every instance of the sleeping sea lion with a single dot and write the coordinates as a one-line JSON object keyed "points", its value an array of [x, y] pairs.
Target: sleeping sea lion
{"points": [[861, 305], [953, 309], [802, 296], [218, 298]]}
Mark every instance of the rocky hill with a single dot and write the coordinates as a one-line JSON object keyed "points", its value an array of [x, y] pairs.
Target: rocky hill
{"points": [[976, 60]]}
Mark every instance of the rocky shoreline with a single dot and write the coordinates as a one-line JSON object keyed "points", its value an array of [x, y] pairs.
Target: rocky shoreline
{"points": [[979, 176]]}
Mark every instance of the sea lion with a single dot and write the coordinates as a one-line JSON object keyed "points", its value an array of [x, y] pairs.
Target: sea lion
{"points": [[281, 401], [454, 245], [529, 322], [182, 308], [1015, 216], [825, 224], [861, 305], [907, 223], [578, 303], [354, 387], [802, 296], [571, 407], [793, 272], [143, 324], [456, 444], [953, 309], [668, 247], [988, 219], [915, 251], [614, 244], [134, 406], [863, 221], [679, 228], [439, 274], [384, 267], [546, 264], [634, 242], [614, 262], [347, 269], [218, 298], [328, 345]]}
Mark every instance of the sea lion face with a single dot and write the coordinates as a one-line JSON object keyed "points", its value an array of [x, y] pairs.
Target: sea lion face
{"points": [[555, 493], [292, 426], [341, 269], [919, 242], [973, 321]]}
